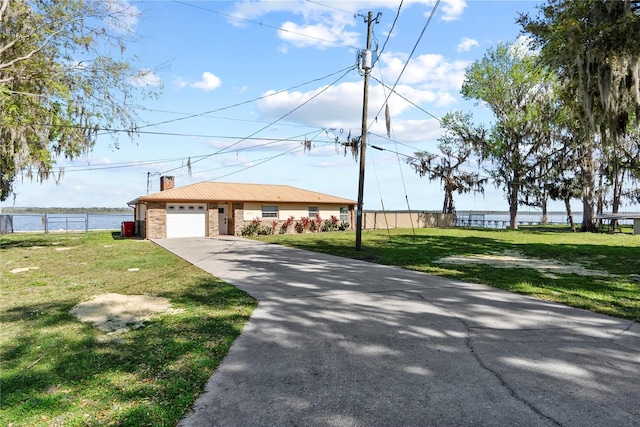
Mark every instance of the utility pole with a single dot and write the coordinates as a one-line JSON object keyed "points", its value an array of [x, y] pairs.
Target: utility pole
{"points": [[149, 174], [366, 68]]}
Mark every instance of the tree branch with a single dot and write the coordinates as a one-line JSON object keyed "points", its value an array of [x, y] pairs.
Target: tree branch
{"points": [[3, 8], [30, 54]]}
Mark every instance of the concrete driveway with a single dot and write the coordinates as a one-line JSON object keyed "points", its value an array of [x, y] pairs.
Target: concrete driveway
{"points": [[338, 342]]}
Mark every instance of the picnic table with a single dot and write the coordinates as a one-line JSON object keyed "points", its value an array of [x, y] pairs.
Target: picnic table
{"points": [[617, 216]]}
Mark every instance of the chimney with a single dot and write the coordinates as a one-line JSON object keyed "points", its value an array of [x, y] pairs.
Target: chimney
{"points": [[166, 183]]}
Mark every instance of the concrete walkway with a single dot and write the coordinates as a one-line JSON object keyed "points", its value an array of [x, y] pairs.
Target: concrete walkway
{"points": [[338, 342]]}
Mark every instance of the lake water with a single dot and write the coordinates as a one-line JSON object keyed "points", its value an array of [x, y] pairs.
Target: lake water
{"points": [[80, 222], [68, 222], [501, 220]]}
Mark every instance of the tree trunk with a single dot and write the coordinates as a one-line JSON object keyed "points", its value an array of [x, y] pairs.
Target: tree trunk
{"points": [[601, 195], [567, 205], [545, 195], [513, 205], [617, 196], [589, 194], [447, 206]]}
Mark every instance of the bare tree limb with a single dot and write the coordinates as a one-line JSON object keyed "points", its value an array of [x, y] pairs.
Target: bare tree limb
{"points": [[3, 8]]}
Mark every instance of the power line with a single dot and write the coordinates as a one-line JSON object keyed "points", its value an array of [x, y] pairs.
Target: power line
{"points": [[277, 120], [264, 161], [232, 165], [393, 25], [437, 156], [203, 114], [415, 46], [262, 24], [122, 165], [220, 117], [331, 7], [394, 141], [351, 67], [408, 100]]}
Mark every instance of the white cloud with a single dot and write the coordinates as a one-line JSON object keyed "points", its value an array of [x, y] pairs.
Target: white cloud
{"points": [[208, 83], [318, 26], [466, 44], [337, 106], [428, 71], [340, 108], [320, 35], [145, 78], [453, 9], [523, 46], [321, 26]]}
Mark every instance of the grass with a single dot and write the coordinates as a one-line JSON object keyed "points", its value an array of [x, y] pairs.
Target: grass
{"points": [[55, 370], [618, 254]]}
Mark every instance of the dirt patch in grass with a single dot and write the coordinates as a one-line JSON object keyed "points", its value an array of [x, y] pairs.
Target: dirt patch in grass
{"points": [[22, 270], [514, 259], [117, 313]]}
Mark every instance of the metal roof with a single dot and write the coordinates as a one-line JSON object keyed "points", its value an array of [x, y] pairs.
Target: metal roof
{"points": [[232, 192]]}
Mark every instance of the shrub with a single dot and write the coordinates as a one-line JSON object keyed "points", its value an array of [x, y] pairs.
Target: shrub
{"points": [[252, 228], [285, 225], [274, 226], [249, 230], [331, 224], [344, 225], [328, 226], [264, 230], [303, 225], [318, 223]]}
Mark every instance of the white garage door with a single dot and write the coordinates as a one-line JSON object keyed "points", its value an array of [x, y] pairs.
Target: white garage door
{"points": [[186, 220]]}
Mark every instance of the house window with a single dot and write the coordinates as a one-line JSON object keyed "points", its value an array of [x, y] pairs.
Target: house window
{"points": [[313, 211], [344, 214], [269, 212]]}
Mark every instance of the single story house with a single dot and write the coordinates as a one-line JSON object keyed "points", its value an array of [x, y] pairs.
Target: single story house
{"points": [[221, 208]]}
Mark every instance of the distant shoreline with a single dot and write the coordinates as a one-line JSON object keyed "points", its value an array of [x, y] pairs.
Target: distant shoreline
{"points": [[51, 210]]}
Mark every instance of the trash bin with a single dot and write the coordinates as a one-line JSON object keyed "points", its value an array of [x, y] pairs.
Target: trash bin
{"points": [[127, 228]]}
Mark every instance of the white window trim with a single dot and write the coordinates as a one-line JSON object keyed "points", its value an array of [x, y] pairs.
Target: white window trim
{"points": [[270, 211]]}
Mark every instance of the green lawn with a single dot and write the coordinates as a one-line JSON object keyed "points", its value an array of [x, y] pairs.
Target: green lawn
{"points": [[55, 370], [617, 294]]}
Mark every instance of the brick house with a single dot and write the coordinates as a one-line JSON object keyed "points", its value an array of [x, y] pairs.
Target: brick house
{"points": [[221, 208]]}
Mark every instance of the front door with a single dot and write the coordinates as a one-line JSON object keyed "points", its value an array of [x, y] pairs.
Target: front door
{"points": [[222, 219]]}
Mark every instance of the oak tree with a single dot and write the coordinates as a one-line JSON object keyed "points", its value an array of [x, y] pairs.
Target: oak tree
{"points": [[64, 77], [521, 96], [594, 47]]}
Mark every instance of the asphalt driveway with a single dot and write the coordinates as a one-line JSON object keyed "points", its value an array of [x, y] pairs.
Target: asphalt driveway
{"points": [[339, 342]]}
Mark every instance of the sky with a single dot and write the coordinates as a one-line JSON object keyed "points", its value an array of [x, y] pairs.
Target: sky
{"points": [[259, 91]]}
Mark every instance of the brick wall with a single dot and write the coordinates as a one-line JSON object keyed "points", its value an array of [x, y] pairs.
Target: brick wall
{"points": [[236, 219], [156, 220], [212, 219]]}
